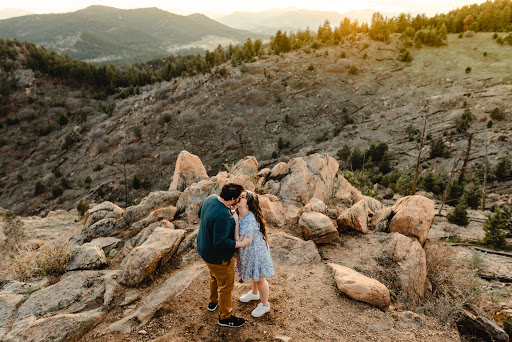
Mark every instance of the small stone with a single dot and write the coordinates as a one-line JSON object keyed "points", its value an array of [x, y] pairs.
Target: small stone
{"points": [[143, 332]]}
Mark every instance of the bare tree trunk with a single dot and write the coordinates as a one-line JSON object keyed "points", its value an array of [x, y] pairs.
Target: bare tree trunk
{"points": [[413, 191], [125, 186], [449, 181], [362, 174], [463, 168], [485, 178]]}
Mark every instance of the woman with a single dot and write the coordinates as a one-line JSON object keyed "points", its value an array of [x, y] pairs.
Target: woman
{"points": [[255, 260]]}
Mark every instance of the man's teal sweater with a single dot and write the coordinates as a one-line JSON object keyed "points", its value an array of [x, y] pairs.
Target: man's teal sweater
{"points": [[215, 239]]}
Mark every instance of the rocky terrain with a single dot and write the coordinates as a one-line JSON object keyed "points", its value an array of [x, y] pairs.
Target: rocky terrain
{"points": [[306, 98], [348, 267]]}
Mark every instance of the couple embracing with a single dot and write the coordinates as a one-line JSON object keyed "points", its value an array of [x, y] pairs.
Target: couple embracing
{"points": [[223, 231]]}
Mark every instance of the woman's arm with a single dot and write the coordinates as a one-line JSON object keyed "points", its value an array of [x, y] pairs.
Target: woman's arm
{"points": [[237, 224]]}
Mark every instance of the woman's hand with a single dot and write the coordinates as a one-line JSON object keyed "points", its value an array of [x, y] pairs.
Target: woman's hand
{"points": [[244, 242]]}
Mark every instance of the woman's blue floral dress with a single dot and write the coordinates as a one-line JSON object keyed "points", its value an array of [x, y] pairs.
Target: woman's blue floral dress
{"points": [[255, 259]]}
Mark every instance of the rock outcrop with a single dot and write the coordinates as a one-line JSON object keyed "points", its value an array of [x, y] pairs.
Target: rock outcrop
{"points": [[102, 211], [411, 263], [153, 201], [290, 250], [189, 169], [303, 178], [144, 259], [413, 216], [355, 218], [318, 227], [247, 166], [360, 287]]}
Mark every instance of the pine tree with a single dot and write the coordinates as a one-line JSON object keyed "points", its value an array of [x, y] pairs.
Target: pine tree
{"points": [[494, 230], [459, 215]]}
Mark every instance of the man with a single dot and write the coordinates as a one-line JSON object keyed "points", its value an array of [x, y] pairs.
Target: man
{"points": [[216, 245]]}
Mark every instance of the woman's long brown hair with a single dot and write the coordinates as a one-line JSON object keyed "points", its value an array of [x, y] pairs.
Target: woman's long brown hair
{"points": [[253, 203]]}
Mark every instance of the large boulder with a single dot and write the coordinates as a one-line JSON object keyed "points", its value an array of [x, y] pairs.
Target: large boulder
{"points": [[191, 199], [57, 328], [273, 210], [156, 216], [360, 287], [410, 258], [303, 178], [189, 169], [144, 259], [346, 192], [223, 178], [102, 211], [107, 243], [318, 227], [355, 218], [413, 216], [290, 250], [87, 257], [154, 200], [247, 166]]}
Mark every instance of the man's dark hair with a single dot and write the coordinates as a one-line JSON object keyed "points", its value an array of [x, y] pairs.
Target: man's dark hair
{"points": [[230, 191]]}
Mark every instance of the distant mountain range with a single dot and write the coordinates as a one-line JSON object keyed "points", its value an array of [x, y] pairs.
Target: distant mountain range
{"points": [[12, 13], [103, 34], [291, 19]]}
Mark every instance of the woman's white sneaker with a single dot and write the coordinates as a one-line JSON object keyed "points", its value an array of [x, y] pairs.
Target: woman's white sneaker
{"points": [[249, 296], [260, 310]]}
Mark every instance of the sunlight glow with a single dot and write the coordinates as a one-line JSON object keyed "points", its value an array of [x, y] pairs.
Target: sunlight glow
{"points": [[429, 7]]}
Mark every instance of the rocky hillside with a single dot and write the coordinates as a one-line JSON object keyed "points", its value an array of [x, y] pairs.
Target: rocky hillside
{"points": [[62, 144], [347, 267]]}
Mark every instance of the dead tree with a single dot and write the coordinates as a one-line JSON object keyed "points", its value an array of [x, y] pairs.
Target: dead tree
{"points": [[485, 178], [419, 155], [456, 161], [465, 163]]}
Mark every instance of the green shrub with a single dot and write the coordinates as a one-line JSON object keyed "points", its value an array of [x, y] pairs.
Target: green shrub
{"points": [[343, 54], [56, 191], [353, 70], [68, 142], [459, 215], [503, 169], [489, 124], [82, 206], [406, 56], [311, 67], [344, 152], [498, 114], [468, 70], [88, 180], [356, 159], [473, 196], [494, 227], [146, 184], [63, 119], [460, 35], [485, 53], [495, 35], [136, 182], [438, 148], [39, 188], [454, 192], [385, 166], [499, 40], [433, 182]]}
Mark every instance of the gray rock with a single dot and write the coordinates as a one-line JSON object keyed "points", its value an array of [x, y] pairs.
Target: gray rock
{"points": [[102, 211], [105, 227], [107, 243], [72, 294], [87, 257], [61, 327], [290, 250], [153, 201], [8, 305], [173, 286], [189, 169], [318, 227]]}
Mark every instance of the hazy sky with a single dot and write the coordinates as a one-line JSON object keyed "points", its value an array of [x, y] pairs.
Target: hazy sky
{"points": [[227, 6]]}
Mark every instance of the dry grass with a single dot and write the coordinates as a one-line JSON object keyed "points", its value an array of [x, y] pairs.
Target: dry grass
{"points": [[50, 259], [455, 286]]}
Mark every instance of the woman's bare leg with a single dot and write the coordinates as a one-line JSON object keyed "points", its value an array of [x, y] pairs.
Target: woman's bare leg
{"points": [[264, 289]]}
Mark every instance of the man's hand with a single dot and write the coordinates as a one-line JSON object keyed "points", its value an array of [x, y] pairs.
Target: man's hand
{"points": [[244, 242]]}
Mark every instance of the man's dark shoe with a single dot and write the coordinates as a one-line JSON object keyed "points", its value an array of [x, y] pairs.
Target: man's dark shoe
{"points": [[212, 306], [232, 322]]}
